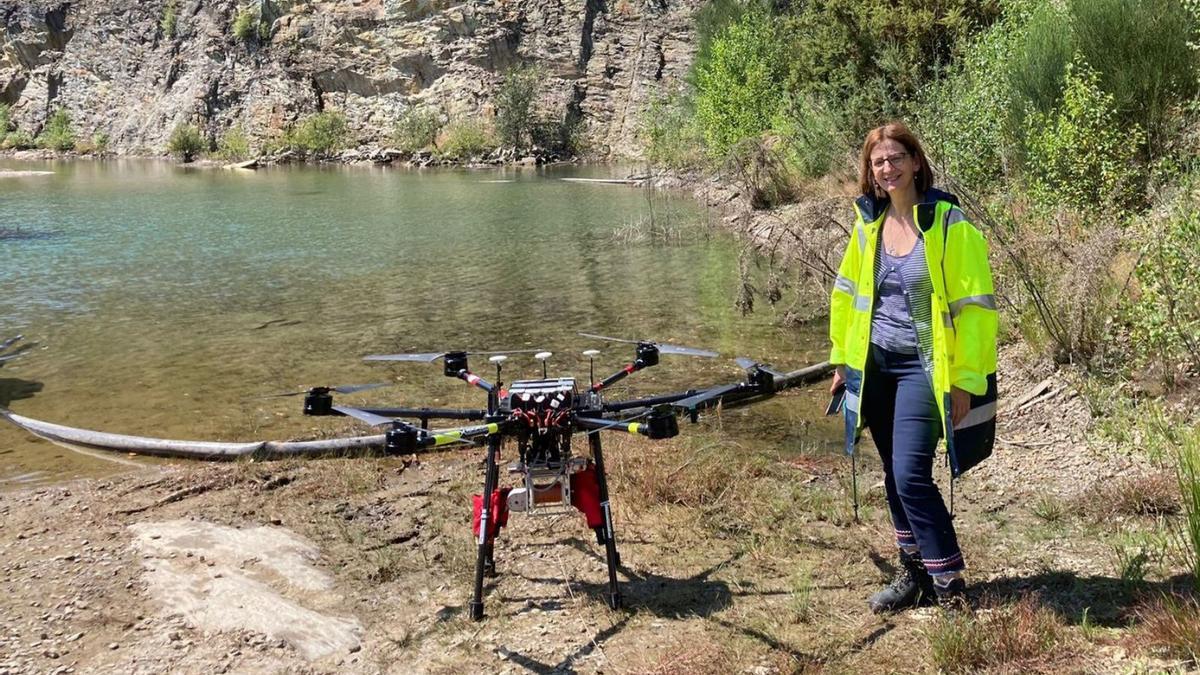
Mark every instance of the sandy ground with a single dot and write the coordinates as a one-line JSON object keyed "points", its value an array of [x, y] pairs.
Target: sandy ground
{"points": [[364, 565]]}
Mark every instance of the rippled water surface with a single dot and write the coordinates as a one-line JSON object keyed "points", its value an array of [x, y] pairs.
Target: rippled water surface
{"points": [[164, 299]]}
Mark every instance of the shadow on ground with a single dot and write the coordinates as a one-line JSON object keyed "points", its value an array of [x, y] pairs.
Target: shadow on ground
{"points": [[1076, 598], [12, 389]]}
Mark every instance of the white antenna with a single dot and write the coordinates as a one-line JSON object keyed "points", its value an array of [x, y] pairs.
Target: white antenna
{"points": [[543, 357], [591, 354]]}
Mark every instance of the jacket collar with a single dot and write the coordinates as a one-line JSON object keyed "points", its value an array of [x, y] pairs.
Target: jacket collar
{"points": [[872, 208]]}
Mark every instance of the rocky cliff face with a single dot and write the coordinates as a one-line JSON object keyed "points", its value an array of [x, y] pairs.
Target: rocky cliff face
{"points": [[118, 68]]}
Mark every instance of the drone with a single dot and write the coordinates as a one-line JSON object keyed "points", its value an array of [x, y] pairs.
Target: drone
{"points": [[543, 416]]}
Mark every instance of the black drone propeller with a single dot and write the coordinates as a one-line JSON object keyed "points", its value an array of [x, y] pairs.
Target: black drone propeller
{"points": [[430, 357], [341, 389], [369, 418], [662, 347]]}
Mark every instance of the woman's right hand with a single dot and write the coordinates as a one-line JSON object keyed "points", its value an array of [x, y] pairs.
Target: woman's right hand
{"points": [[839, 379]]}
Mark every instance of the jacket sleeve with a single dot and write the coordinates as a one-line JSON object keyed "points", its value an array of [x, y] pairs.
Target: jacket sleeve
{"points": [[841, 303], [972, 302]]}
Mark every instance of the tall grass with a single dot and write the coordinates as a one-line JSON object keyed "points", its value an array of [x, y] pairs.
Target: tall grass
{"points": [[1006, 637], [1189, 489]]}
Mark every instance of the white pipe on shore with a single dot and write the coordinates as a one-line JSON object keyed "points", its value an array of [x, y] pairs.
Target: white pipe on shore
{"points": [[162, 447]]}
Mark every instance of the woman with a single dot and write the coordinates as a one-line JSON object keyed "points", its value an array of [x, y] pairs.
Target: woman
{"points": [[913, 326]]}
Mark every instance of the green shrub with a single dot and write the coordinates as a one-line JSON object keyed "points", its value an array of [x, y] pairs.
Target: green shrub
{"points": [[559, 135], [1166, 316], [965, 118], [100, 142], [58, 133], [514, 106], [167, 22], [1188, 462], [186, 142], [812, 138], [671, 135], [18, 140], [234, 145], [868, 59], [417, 129], [1038, 60], [741, 85], [465, 139], [319, 134], [6, 124], [1140, 50], [1078, 155], [249, 26]]}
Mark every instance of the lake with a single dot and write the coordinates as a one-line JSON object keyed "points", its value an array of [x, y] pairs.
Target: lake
{"points": [[167, 300]]}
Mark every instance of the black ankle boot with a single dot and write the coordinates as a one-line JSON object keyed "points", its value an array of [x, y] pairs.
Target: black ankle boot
{"points": [[952, 597], [911, 587]]}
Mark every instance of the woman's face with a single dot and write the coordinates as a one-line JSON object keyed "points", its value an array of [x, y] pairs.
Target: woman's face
{"points": [[893, 166]]}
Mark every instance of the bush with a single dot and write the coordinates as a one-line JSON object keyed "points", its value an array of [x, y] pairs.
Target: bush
{"points": [[234, 145], [1078, 155], [671, 135], [1188, 462], [1038, 61], [563, 136], [249, 26], [465, 139], [1166, 316], [100, 142], [58, 133], [167, 22], [868, 59], [1139, 48], [319, 134], [417, 129], [514, 106], [6, 124], [965, 118], [18, 140], [812, 138], [741, 85], [186, 142]]}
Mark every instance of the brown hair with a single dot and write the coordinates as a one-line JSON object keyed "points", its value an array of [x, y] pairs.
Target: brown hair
{"points": [[895, 131]]}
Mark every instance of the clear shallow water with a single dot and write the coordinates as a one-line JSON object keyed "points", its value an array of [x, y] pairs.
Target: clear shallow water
{"points": [[164, 298]]}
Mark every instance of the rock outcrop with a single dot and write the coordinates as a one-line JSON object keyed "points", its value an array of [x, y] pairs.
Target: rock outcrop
{"points": [[122, 69]]}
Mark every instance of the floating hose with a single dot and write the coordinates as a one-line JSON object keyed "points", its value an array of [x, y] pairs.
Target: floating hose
{"points": [[162, 447]]}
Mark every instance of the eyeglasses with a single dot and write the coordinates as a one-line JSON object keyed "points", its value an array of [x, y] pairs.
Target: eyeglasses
{"points": [[894, 160]]}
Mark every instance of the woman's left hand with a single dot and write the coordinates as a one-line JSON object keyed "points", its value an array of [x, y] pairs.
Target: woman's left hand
{"points": [[960, 405]]}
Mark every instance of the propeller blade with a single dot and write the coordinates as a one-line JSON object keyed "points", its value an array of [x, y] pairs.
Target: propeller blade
{"points": [[686, 351], [352, 388], [423, 358], [363, 416], [10, 342], [610, 339], [505, 351], [18, 351], [691, 403], [745, 363]]}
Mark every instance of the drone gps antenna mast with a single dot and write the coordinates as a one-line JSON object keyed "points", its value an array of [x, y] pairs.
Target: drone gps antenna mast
{"points": [[543, 357], [591, 354]]}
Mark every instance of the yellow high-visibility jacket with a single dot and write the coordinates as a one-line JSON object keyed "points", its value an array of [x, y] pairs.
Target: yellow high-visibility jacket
{"points": [[959, 351]]}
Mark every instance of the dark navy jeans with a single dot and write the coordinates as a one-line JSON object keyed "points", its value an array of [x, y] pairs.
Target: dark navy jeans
{"points": [[899, 409]]}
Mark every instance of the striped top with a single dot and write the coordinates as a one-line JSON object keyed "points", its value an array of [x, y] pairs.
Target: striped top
{"points": [[903, 300]]}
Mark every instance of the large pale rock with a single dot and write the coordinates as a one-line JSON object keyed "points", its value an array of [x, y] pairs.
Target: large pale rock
{"points": [[108, 63]]}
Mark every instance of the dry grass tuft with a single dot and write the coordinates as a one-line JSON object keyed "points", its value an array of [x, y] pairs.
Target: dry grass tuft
{"points": [[1149, 494], [1017, 636], [1170, 626], [698, 658]]}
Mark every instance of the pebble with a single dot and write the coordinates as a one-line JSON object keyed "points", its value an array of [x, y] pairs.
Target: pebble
{"points": [[113, 645]]}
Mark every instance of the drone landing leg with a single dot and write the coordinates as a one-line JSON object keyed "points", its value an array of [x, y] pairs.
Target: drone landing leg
{"points": [[489, 562], [485, 525], [610, 543]]}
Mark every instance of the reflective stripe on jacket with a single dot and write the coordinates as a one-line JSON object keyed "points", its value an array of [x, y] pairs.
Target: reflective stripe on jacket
{"points": [[962, 352]]}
